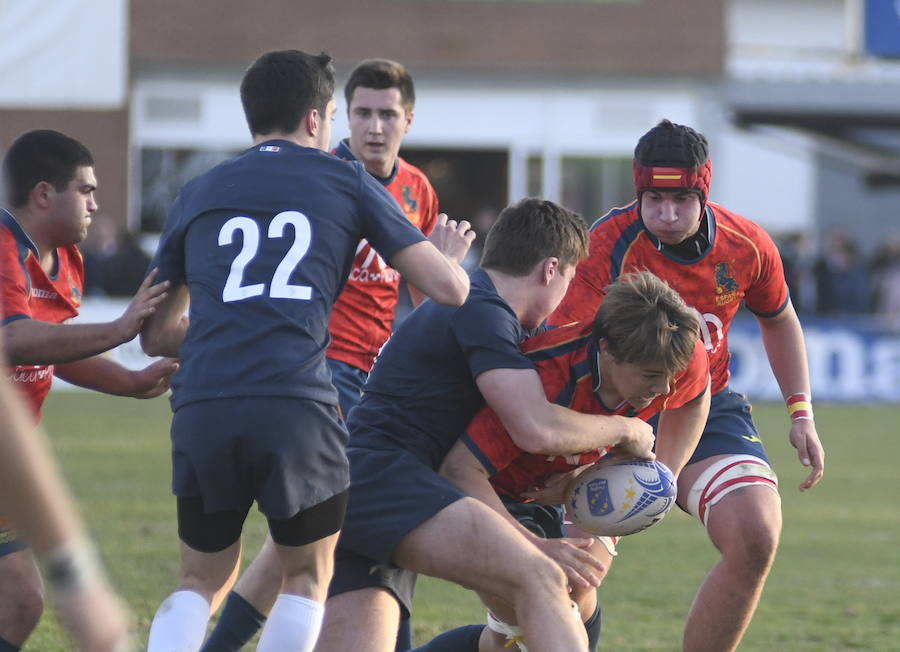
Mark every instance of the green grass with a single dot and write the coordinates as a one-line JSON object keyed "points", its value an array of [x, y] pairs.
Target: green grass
{"points": [[835, 584]]}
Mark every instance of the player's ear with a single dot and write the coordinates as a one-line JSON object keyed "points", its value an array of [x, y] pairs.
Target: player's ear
{"points": [[409, 120], [549, 268], [312, 122], [42, 193]]}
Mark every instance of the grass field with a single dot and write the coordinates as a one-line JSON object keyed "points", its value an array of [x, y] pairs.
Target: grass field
{"points": [[835, 585]]}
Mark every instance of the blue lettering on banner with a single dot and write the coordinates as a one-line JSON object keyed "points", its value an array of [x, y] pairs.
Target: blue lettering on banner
{"points": [[850, 360], [883, 27]]}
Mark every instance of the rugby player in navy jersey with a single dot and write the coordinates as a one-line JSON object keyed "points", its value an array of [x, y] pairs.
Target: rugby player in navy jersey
{"points": [[432, 376], [261, 246], [380, 96]]}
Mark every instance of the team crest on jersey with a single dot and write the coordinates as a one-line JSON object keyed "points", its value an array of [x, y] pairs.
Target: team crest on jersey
{"points": [[727, 289], [411, 203]]}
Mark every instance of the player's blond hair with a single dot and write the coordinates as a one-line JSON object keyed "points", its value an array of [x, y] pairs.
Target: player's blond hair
{"points": [[645, 322]]}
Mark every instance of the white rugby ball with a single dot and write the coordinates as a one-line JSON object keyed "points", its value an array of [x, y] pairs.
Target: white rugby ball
{"points": [[619, 498]]}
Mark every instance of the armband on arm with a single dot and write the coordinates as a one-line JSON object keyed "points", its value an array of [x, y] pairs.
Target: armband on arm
{"points": [[800, 407]]}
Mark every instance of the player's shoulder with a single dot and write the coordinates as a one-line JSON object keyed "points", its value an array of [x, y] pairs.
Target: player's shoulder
{"points": [[409, 174], [735, 231], [730, 219], [13, 239], [616, 223]]}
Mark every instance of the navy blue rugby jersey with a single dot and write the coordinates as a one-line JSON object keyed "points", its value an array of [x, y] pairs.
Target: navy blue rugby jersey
{"points": [[421, 393], [265, 242]]}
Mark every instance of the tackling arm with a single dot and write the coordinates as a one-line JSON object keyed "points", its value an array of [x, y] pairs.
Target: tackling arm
{"points": [[538, 426], [786, 349]]}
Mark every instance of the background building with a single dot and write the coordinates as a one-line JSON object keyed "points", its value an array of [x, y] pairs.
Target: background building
{"points": [[800, 99]]}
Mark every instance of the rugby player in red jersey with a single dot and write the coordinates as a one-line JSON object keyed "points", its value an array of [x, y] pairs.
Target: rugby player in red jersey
{"points": [[717, 260], [50, 183]]}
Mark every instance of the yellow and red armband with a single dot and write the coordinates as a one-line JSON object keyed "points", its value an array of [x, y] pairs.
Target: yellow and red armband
{"points": [[800, 407]]}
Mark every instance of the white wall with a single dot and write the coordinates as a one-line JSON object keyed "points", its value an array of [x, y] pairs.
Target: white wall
{"points": [[63, 54], [769, 177]]}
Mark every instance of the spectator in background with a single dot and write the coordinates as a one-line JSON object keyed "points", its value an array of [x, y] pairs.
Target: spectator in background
{"points": [[114, 264], [799, 262], [885, 270], [842, 278]]}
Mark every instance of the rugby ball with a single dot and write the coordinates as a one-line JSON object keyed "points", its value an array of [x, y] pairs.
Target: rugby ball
{"points": [[619, 498]]}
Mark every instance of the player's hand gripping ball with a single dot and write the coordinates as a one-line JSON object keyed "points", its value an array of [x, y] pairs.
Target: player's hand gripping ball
{"points": [[619, 498]]}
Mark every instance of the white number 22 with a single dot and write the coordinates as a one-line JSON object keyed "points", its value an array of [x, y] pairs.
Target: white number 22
{"points": [[280, 288]]}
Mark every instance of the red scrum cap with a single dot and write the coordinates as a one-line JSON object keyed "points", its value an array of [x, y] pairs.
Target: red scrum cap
{"points": [[672, 156]]}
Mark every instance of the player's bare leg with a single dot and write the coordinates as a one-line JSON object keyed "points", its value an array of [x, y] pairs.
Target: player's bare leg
{"points": [[260, 583], [296, 617], [360, 620], [180, 622], [21, 596], [585, 598], [470, 544], [745, 526]]}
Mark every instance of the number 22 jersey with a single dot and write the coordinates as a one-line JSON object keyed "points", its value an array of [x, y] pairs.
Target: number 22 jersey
{"points": [[264, 242]]}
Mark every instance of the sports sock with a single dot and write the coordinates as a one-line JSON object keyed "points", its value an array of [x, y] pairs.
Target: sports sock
{"points": [[593, 626], [179, 624], [238, 623], [293, 625], [6, 646], [461, 639]]}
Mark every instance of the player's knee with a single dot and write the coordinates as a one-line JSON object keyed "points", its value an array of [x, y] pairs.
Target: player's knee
{"points": [[544, 576]]}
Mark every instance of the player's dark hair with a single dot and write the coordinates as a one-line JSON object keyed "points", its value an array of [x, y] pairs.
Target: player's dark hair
{"points": [[671, 144], [645, 322], [381, 74], [282, 86], [530, 231], [41, 155]]}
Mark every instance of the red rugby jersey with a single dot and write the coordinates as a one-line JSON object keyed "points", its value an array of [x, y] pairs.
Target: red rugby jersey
{"points": [[566, 360], [29, 293], [741, 264], [363, 315]]}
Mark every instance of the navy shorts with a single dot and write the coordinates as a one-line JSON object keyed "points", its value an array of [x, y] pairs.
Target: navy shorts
{"points": [[729, 429], [288, 454], [353, 572], [391, 493], [348, 381]]}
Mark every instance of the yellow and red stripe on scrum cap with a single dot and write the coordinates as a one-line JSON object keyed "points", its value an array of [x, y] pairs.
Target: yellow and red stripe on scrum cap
{"points": [[655, 176]]}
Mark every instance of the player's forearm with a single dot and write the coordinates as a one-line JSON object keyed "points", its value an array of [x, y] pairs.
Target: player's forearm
{"points": [[557, 430], [786, 349], [33, 342], [679, 432], [426, 268], [99, 374]]}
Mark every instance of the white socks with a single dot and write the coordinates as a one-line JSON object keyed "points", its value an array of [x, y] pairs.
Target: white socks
{"points": [[293, 625], [180, 623]]}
